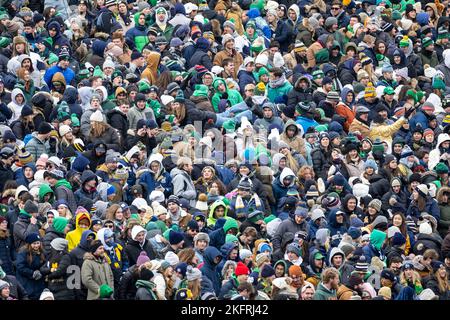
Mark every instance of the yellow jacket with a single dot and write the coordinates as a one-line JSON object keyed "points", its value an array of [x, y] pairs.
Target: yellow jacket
{"points": [[74, 237], [385, 132]]}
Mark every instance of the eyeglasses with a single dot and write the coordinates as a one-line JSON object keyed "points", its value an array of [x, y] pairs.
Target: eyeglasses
{"points": [[250, 90], [335, 8]]}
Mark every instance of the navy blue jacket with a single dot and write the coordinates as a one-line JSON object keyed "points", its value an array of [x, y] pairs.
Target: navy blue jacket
{"points": [[209, 268], [25, 272]]}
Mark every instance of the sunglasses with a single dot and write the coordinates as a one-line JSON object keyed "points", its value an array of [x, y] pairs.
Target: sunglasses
{"points": [[335, 8]]}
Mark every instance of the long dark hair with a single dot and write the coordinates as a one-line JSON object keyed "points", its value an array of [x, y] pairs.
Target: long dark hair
{"points": [[30, 252]]}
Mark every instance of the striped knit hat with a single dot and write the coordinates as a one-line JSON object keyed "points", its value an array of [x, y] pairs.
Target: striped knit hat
{"points": [[427, 41], [362, 265], [404, 42], [369, 91]]}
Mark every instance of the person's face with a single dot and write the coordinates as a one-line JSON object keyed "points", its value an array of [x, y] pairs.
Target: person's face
{"points": [[417, 136], [192, 233], [122, 8], [325, 142], [140, 237], [271, 18], [397, 220], [337, 260], [308, 294], [292, 256], [335, 283], [4, 225], [339, 218], [369, 171], [219, 212], [351, 204], [154, 166], [61, 211], [141, 104], [279, 271], [95, 103], [52, 32], [243, 193], [298, 219], [201, 244], [5, 292], [292, 15], [108, 71], [28, 30], [28, 173], [207, 80], [91, 184], [244, 171], [36, 245], [207, 174], [408, 273], [173, 207], [397, 59], [372, 211], [229, 45], [335, 10], [19, 99], [233, 254]]}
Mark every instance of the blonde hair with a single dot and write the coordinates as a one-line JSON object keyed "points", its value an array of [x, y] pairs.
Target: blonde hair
{"points": [[97, 128]]}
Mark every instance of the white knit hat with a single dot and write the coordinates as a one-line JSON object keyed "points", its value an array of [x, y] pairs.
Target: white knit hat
{"points": [[108, 63], [425, 228], [392, 231], [166, 99], [64, 129], [262, 59], [97, 116], [172, 258]]}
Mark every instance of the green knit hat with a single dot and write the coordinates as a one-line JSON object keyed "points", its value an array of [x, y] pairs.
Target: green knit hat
{"points": [[59, 224], [231, 238], [143, 86], [269, 219], [161, 225], [396, 15], [180, 97], [427, 41], [200, 91], [3, 210], [441, 168], [438, 83], [380, 56], [166, 143], [318, 74], [4, 42], [377, 145], [404, 42], [105, 291], [258, 4], [321, 127], [229, 126], [83, 74], [230, 224], [52, 58], [98, 72], [412, 94], [442, 33], [262, 70], [420, 94], [75, 120]]}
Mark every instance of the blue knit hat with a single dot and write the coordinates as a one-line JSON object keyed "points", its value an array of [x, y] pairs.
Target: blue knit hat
{"points": [[398, 239], [370, 164], [175, 237], [353, 232], [111, 190]]}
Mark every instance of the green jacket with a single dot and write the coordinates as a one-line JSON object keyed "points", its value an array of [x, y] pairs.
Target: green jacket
{"points": [[274, 93], [234, 97], [322, 293]]}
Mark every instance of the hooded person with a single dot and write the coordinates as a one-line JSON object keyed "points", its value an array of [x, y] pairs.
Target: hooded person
{"points": [[375, 247], [212, 258], [222, 92], [270, 118], [337, 259], [161, 24], [156, 177], [57, 230], [82, 223], [151, 71], [216, 207], [138, 34], [295, 223], [138, 243], [442, 147], [284, 183]]}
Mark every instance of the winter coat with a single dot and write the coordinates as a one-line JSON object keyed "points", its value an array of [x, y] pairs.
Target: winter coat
{"points": [[95, 272], [236, 56], [431, 207], [5, 175], [346, 269], [74, 237], [16, 290], [279, 189], [145, 290], [7, 252], [321, 162], [25, 272], [201, 57], [22, 228], [133, 249], [228, 289], [135, 114], [444, 67], [63, 191], [357, 125], [346, 73], [151, 181], [296, 95], [183, 186], [322, 293], [233, 96], [427, 241], [344, 111], [37, 147], [137, 34], [288, 225], [297, 143], [118, 120], [50, 235], [245, 78], [444, 221], [209, 268], [85, 122], [127, 287], [110, 137], [57, 280], [385, 132], [151, 71], [274, 94], [334, 227], [194, 114]]}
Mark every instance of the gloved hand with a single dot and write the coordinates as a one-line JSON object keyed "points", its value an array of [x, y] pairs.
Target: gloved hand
{"points": [[409, 112], [37, 275]]}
